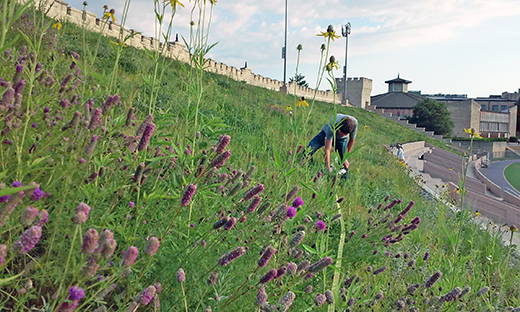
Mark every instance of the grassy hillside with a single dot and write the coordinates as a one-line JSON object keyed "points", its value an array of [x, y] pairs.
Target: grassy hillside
{"points": [[159, 195]]}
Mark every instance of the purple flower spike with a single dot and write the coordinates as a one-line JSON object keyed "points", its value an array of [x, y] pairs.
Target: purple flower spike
{"points": [[91, 146], [42, 218], [220, 160], [76, 293], [230, 223], [95, 121], [151, 246], [188, 194], [3, 253], [298, 201], [28, 215], [181, 276], [426, 256], [320, 265], [320, 299], [269, 276], [376, 272], [147, 134], [261, 297], [232, 255], [131, 204], [223, 142], [147, 295], [90, 242], [291, 212], [28, 240], [266, 256], [252, 192], [81, 214], [130, 256], [254, 204], [320, 225]]}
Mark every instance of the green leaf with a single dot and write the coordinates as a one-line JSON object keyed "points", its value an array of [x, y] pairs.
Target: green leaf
{"points": [[277, 159], [308, 249], [12, 190]]}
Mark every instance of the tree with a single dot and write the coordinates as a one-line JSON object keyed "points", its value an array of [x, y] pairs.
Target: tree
{"points": [[434, 116], [299, 79]]}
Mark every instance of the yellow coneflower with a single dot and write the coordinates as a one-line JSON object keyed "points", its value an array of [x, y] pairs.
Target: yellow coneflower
{"points": [[472, 133], [330, 33], [174, 3], [110, 15], [302, 102], [288, 108], [57, 26], [119, 43], [333, 64]]}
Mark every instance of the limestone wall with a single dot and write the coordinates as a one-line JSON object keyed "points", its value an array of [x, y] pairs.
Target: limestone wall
{"points": [[358, 90], [61, 11]]}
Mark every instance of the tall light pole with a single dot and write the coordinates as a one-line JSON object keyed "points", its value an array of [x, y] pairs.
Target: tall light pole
{"points": [[345, 31], [284, 52]]}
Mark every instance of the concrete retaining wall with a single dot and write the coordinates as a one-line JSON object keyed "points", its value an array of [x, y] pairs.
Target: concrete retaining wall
{"points": [[447, 175]]}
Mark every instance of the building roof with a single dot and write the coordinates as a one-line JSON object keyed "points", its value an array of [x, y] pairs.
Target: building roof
{"points": [[398, 80], [396, 100]]}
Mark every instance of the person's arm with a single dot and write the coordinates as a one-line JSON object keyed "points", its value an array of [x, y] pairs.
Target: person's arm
{"points": [[328, 147]]}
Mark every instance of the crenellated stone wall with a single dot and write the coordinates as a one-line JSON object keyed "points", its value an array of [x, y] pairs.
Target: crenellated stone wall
{"points": [[61, 11]]}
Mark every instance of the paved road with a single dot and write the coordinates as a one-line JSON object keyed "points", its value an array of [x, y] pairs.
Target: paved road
{"points": [[495, 172]]}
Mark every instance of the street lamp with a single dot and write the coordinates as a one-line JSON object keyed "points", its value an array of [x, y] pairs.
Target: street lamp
{"points": [[284, 52], [345, 31]]}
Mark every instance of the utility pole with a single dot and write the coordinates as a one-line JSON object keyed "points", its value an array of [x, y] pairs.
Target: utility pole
{"points": [[345, 31], [284, 52]]}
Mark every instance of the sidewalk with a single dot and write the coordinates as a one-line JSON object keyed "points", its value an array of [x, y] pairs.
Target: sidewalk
{"points": [[436, 188]]}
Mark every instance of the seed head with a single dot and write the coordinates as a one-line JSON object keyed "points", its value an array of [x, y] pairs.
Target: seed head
{"points": [[269, 276], [320, 265], [147, 295], [91, 267], [142, 126], [81, 214], [266, 256], [380, 270], [28, 215], [3, 253], [292, 193], [181, 276], [264, 207], [287, 301], [261, 297], [130, 255], [254, 203], [108, 247], [329, 296], [147, 134], [223, 142], [212, 279], [220, 222], [320, 299], [232, 255], [91, 146], [482, 291], [433, 279], [253, 192], [220, 160]]}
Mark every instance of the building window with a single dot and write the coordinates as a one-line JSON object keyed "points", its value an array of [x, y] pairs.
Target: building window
{"points": [[503, 107], [494, 108], [483, 107]]}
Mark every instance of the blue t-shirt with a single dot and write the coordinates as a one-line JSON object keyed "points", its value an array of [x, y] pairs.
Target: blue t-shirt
{"points": [[329, 132]]}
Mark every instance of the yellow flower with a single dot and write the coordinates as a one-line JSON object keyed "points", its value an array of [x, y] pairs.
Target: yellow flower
{"points": [[330, 33], [472, 133], [302, 102], [477, 213], [451, 169], [174, 3], [119, 43], [110, 15], [365, 126], [57, 25], [332, 65], [288, 108]]}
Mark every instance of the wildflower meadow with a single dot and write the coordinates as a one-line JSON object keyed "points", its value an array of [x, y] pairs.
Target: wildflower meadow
{"points": [[135, 182]]}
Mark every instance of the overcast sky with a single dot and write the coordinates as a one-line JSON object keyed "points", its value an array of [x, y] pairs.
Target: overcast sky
{"points": [[443, 46]]}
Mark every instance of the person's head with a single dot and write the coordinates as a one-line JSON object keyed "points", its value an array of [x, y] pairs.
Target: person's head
{"points": [[347, 125]]}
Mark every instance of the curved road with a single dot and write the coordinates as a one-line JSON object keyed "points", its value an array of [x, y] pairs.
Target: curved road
{"points": [[495, 172]]}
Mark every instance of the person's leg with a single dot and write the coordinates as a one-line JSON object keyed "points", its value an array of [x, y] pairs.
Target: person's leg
{"points": [[341, 147], [317, 142]]}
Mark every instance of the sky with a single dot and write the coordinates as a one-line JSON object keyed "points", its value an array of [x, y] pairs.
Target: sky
{"points": [[443, 46]]}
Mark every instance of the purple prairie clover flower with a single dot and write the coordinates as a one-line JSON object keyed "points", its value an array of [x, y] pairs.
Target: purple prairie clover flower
{"points": [[380, 270], [250, 193], [18, 73], [28, 240], [254, 204], [91, 267], [37, 194], [91, 146], [130, 256], [220, 160], [426, 256], [108, 247], [132, 307], [34, 125], [223, 142], [9, 206], [81, 161], [131, 204], [416, 220], [291, 212], [297, 239], [304, 265], [65, 81], [188, 195], [261, 297], [147, 295], [28, 215], [308, 276], [68, 306], [42, 218], [292, 268], [3, 253], [269, 276], [90, 242], [105, 235], [95, 121], [287, 301], [212, 279], [407, 208], [147, 134], [320, 299], [364, 236], [300, 149], [330, 296], [292, 193], [105, 107], [298, 201], [281, 271], [320, 265], [181, 276], [232, 255], [8, 97], [17, 184], [81, 214], [266, 256], [152, 246], [230, 224], [484, 290], [65, 103], [320, 225], [158, 287], [4, 198], [387, 253], [142, 126], [220, 223], [436, 276]]}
